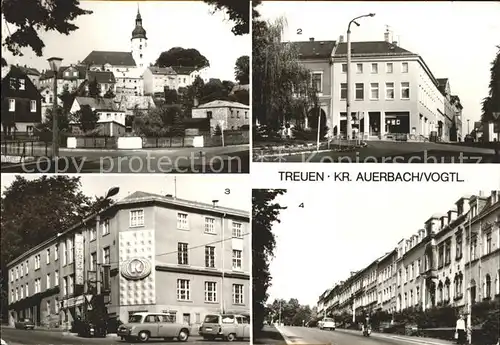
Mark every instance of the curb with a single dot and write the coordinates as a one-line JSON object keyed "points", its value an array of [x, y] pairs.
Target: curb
{"points": [[415, 340], [296, 153], [285, 338]]}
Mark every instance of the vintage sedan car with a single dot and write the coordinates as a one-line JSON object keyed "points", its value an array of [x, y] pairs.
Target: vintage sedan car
{"points": [[225, 326], [25, 324], [144, 326], [3, 342]]}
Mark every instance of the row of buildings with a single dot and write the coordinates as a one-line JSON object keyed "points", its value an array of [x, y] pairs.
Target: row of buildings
{"points": [[153, 253], [394, 91], [453, 259], [29, 93]]}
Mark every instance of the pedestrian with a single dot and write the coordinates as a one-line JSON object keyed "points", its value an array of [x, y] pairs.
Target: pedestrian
{"points": [[461, 331]]}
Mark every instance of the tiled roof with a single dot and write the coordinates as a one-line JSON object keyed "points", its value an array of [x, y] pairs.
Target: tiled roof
{"points": [[372, 48], [29, 70], [184, 70], [82, 70], [162, 70], [101, 77], [143, 196], [97, 57], [97, 103], [222, 104], [314, 49]]}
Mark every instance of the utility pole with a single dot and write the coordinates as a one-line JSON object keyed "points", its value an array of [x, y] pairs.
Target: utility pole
{"points": [[223, 307], [98, 254], [279, 313], [468, 290]]}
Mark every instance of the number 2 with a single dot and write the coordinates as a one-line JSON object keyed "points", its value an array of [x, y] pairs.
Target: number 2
{"points": [[299, 31]]}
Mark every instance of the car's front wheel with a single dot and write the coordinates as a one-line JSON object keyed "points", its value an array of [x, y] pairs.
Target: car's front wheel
{"points": [[231, 337], [183, 335], [143, 336]]}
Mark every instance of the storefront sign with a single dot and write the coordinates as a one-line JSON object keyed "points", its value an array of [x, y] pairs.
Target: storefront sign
{"points": [[73, 301], [79, 269], [136, 268]]}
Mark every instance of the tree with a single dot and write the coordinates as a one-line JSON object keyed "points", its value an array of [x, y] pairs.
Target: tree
{"points": [[265, 212], [94, 88], [149, 123], [86, 118], [67, 97], [178, 56], [241, 96], [38, 15], [109, 94], [218, 130], [278, 76], [214, 90], [175, 113], [171, 96], [34, 210], [44, 129], [491, 103], [242, 70], [238, 12]]}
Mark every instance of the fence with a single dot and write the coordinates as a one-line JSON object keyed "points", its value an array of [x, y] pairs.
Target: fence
{"points": [[97, 142], [24, 148]]}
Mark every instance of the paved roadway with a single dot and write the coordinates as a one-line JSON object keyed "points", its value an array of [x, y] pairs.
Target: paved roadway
{"points": [[230, 159], [315, 336], [394, 152], [45, 337]]}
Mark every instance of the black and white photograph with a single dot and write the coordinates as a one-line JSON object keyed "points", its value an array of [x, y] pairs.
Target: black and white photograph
{"points": [[99, 259], [419, 81], [378, 264], [125, 87]]}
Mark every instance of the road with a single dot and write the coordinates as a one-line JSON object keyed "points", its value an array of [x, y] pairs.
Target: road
{"points": [[230, 159], [394, 152], [44, 337], [315, 336]]}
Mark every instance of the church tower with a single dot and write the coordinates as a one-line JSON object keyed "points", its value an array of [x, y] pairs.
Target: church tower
{"points": [[139, 42]]}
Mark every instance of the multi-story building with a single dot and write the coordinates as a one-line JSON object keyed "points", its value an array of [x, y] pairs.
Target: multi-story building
{"points": [[68, 76], [21, 103], [153, 253], [452, 113], [225, 114], [453, 260], [156, 79]]}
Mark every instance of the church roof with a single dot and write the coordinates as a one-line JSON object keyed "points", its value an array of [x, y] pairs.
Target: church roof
{"points": [[97, 57], [101, 77], [162, 70], [183, 70], [139, 31]]}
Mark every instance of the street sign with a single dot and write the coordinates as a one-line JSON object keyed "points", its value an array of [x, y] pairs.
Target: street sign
{"points": [[88, 298], [496, 115]]}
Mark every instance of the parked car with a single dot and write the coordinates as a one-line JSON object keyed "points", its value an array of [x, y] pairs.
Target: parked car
{"points": [[225, 326], [25, 324], [144, 326], [90, 329], [3, 342], [328, 324]]}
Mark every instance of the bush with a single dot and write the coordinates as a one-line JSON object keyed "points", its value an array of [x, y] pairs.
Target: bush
{"points": [[218, 130]]}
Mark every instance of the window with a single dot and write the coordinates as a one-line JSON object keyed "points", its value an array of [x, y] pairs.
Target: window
{"points": [[374, 91], [417, 295], [105, 227], [487, 286], [447, 253], [237, 259], [21, 274], [317, 81], [70, 284], [344, 68], [360, 91], [33, 106], [374, 68], [458, 247], [440, 256], [48, 256], [56, 252], [136, 218], [488, 243], [237, 294], [65, 253], [210, 225], [12, 104], [389, 90], [38, 285], [210, 292], [27, 290], [209, 256], [404, 67], [48, 306], [22, 84], [56, 306], [183, 290], [65, 286], [343, 91], [389, 67], [405, 90], [473, 249], [37, 263], [93, 261], [359, 68], [17, 294], [182, 221], [70, 250], [22, 291], [56, 278], [237, 233], [182, 254], [48, 281], [106, 256]]}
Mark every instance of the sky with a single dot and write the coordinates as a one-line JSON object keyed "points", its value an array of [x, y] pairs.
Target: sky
{"points": [[349, 226], [201, 188], [457, 40], [168, 24]]}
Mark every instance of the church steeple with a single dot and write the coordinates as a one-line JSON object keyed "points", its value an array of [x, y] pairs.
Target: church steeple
{"points": [[139, 42], [139, 31]]}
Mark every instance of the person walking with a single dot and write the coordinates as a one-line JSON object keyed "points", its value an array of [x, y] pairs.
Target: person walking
{"points": [[461, 331]]}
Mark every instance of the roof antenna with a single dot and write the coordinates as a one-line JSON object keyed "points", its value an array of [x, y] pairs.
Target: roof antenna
{"points": [[175, 187]]}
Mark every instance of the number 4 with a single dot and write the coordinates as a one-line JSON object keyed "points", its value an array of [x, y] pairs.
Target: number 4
{"points": [[301, 205]]}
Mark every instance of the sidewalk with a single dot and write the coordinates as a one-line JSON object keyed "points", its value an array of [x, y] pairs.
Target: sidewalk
{"points": [[269, 335], [59, 330], [289, 337], [410, 339]]}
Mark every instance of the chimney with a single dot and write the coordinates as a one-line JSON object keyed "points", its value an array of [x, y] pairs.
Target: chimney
{"points": [[311, 39], [168, 195], [214, 203], [386, 35], [395, 43], [341, 39]]}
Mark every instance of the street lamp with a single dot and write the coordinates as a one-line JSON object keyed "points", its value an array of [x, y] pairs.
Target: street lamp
{"points": [[55, 63], [468, 127], [348, 73]]}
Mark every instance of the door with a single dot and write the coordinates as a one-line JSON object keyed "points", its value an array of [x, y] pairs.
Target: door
{"points": [[240, 327], [152, 325], [246, 328], [167, 328], [186, 319]]}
